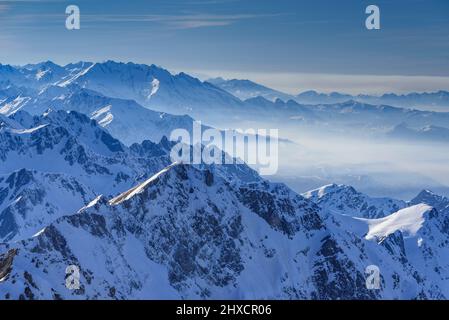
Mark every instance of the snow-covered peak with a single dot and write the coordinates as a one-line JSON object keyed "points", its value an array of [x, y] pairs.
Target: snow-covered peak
{"points": [[409, 221], [124, 119], [153, 87], [346, 200], [30, 200], [84, 129], [78, 65], [319, 193], [46, 65], [189, 233], [430, 198], [59, 158], [57, 141]]}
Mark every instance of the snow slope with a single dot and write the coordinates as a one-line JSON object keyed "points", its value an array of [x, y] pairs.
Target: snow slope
{"points": [[155, 88], [125, 119], [191, 234], [428, 133], [246, 89], [30, 200], [42, 85], [408, 221], [65, 157], [76, 189], [62, 160]]}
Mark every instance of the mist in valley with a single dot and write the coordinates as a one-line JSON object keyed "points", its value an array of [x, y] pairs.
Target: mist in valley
{"points": [[378, 167], [310, 157]]}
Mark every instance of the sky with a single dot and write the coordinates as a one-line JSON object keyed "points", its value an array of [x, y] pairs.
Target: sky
{"points": [[291, 45]]}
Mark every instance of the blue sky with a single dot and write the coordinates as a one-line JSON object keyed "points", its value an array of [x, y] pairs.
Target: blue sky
{"points": [[278, 42]]}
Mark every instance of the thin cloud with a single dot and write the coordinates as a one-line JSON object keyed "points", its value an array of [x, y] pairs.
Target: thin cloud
{"points": [[12, 1], [190, 21]]}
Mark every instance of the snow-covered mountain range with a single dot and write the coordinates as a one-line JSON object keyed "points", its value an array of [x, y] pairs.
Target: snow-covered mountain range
{"points": [[146, 228], [150, 86], [86, 180], [123, 96], [125, 119], [54, 164], [435, 101], [246, 89]]}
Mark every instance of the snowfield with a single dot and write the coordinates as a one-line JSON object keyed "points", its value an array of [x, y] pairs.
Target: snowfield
{"points": [[409, 221]]}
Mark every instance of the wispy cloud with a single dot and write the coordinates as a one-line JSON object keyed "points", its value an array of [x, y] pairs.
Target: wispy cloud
{"points": [[187, 21]]}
